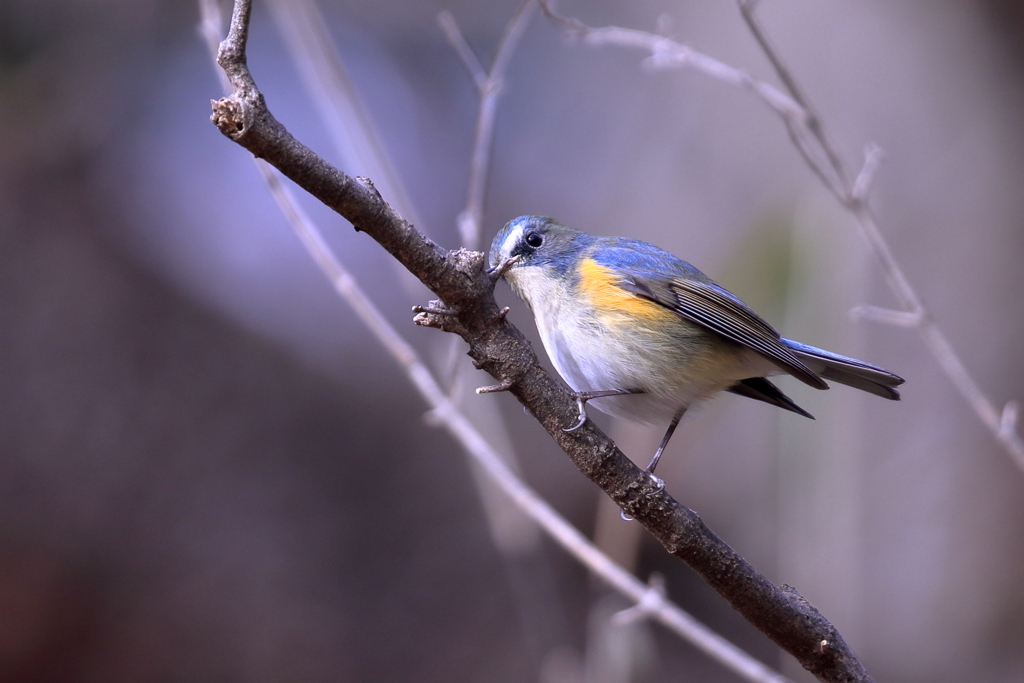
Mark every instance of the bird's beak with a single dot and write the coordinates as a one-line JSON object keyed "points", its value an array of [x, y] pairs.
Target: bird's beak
{"points": [[499, 270]]}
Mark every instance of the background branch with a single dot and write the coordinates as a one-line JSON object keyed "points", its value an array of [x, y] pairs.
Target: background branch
{"points": [[489, 85], [342, 111]]}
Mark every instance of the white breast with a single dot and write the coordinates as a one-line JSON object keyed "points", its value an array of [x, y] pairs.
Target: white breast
{"points": [[674, 368]]}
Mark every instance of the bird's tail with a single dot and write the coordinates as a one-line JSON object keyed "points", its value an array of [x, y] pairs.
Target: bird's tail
{"points": [[848, 371]]}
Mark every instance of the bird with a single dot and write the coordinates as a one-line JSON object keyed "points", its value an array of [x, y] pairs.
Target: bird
{"points": [[641, 334]]}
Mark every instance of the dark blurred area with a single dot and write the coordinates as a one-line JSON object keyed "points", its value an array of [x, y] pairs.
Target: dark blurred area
{"points": [[209, 471]]}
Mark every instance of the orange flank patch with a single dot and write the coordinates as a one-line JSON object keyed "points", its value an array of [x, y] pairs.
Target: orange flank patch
{"points": [[600, 285]]}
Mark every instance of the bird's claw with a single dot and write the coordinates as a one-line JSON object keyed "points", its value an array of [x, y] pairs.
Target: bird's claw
{"points": [[582, 405], [583, 396], [659, 483]]}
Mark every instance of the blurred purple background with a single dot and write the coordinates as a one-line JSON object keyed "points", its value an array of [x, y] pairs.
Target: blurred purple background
{"points": [[209, 471]]}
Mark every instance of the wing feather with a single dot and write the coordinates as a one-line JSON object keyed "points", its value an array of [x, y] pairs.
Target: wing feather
{"points": [[712, 307]]}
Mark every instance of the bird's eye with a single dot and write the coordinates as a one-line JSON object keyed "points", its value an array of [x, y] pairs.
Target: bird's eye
{"points": [[534, 239]]}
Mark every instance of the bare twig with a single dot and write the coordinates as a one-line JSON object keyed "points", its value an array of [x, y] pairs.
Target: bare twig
{"points": [[489, 85], [459, 280], [808, 136], [886, 315], [494, 388], [1008, 420], [854, 197], [469, 59], [812, 120], [646, 606], [667, 53], [342, 111], [865, 179]]}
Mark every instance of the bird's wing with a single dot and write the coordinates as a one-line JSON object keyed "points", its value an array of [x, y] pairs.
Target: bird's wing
{"points": [[705, 303]]}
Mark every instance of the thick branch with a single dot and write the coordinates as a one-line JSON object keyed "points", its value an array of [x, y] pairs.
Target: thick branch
{"points": [[459, 280]]}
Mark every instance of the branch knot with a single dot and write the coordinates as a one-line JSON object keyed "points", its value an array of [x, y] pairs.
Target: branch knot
{"points": [[440, 316], [229, 115]]}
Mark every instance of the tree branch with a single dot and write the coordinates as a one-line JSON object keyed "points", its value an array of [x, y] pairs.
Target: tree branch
{"points": [[459, 280], [489, 85], [650, 603]]}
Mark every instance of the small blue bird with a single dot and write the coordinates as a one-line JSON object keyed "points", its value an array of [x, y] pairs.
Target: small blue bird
{"points": [[645, 335]]}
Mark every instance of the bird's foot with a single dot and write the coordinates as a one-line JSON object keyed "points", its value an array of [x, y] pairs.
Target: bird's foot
{"points": [[583, 396]]}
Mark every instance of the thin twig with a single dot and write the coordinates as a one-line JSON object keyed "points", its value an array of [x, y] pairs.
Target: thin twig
{"points": [[459, 280], [469, 59], [669, 54], [647, 605], [666, 53], [342, 111], [866, 178], [489, 85], [812, 121], [887, 316], [817, 151]]}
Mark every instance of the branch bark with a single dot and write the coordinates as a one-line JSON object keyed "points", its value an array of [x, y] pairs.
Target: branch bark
{"points": [[467, 308]]}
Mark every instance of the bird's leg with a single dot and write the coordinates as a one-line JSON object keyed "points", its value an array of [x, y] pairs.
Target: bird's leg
{"points": [[583, 396], [659, 483], [664, 441]]}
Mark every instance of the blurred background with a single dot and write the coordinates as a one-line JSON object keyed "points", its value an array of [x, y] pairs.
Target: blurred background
{"points": [[209, 471]]}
